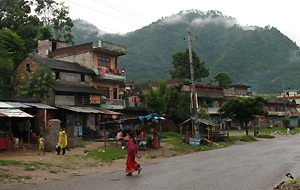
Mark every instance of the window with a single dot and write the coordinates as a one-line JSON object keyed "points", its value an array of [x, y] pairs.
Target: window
{"points": [[82, 77], [28, 67], [103, 62], [57, 75], [104, 91]]}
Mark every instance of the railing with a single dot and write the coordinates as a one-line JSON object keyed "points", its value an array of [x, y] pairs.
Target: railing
{"points": [[113, 104], [108, 46]]}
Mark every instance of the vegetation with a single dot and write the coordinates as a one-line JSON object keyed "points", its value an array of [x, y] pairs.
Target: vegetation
{"points": [[248, 138], [222, 79], [170, 101], [38, 84], [107, 154], [181, 64], [242, 109], [246, 55], [266, 136]]}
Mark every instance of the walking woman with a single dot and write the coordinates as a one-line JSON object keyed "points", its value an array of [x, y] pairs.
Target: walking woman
{"points": [[131, 164]]}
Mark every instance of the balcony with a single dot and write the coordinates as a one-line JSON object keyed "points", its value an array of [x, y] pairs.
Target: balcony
{"points": [[107, 73], [114, 104], [109, 47], [212, 110]]}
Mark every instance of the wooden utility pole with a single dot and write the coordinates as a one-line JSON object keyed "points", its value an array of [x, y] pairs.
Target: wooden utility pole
{"points": [[193, 86]]}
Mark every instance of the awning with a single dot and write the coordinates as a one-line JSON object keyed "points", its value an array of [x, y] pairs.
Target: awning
{"points": [[39, 105], [13, 113], [81, 109], [5, 105]]}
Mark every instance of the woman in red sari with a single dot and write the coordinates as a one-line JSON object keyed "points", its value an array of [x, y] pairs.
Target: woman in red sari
{"points": [[131, 164], [155, 139]]}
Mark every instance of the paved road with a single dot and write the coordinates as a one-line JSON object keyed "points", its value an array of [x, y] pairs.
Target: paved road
{"points": [[254, 166]]}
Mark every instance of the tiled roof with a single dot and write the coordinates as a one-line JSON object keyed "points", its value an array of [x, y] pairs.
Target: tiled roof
{"points": [[62, 65]]}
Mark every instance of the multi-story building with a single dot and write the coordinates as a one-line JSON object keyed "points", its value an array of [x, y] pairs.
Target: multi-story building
{"points": [[99, 56]]}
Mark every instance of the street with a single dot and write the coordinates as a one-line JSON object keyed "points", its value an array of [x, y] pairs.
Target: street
{"points": [[257, 165]]}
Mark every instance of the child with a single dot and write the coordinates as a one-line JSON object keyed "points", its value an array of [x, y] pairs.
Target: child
{"points": [[42, 145], [16, 145]]}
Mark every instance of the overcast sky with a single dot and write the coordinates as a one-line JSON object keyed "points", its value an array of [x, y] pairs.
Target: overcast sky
{"points": [[122, 16]]}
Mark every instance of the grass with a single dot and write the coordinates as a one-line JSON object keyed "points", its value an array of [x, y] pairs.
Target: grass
{"points": [[10, 163], [266, 136], [248, 138], [270, 130], [107, 154]]}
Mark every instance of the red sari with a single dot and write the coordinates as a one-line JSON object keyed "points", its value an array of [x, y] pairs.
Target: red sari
{"points": [[131, 164]]}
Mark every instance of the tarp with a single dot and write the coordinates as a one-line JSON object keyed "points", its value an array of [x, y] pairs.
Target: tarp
{"points": [[155, 117]]}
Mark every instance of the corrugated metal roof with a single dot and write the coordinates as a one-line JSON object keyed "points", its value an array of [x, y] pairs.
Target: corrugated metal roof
{"points": [[5, 105], [81, 109], [39, 105], [13, 113], [106, 111], [17, 104]]}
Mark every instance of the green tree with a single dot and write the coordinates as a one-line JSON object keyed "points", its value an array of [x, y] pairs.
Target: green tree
{"points": [[178, 107], [286, 121], [181, 64], [12, 50], [55, 16], [16, 16], [223, 79], [155, 100], [203, 114], [243, 109], [38, 84]]}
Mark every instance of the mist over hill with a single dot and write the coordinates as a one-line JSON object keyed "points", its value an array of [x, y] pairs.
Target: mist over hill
{"points": [[263, 58]]}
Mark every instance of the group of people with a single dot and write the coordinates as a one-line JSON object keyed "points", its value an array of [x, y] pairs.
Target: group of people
{"points": [[142, 139], [61, 142]]}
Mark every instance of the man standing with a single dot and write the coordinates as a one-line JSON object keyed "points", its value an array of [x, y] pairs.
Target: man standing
{"points": [[62, 141]]}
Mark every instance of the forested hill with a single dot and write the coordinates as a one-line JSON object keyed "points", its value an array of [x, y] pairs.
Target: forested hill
{"points": [[263, 58]]}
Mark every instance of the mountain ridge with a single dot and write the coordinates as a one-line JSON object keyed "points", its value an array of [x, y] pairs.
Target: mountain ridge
{"points": [[263, 58]]}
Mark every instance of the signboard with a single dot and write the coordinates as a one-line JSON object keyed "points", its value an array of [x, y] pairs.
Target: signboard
{"points": [[194, 141]]}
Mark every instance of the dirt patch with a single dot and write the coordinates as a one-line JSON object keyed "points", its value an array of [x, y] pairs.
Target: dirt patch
{"points": [[52, 166]]}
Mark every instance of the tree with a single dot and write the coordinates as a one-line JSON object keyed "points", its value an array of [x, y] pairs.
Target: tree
{"points": [[12, 49], [16, 16], [155, 100], [55, 16], [37, 85], [223, 79], [243, 109], [181, 64], [286, 121], [170, 101]]}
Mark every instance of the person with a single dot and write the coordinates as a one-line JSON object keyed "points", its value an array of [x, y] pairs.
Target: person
{"points": [[131, 164], [120, 138], [62, 141], [155, 139], [288, 132], [16, 145], [42, 144], [143, 140]]}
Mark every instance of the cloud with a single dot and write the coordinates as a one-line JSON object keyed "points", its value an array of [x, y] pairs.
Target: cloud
{"points": [[227, 22]]}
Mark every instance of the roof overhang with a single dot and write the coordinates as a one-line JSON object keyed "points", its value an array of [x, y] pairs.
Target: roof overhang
{"points": [[13, 113]]}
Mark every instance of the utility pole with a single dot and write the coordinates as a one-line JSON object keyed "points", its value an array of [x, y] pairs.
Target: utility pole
{"points": [[193, 86]]}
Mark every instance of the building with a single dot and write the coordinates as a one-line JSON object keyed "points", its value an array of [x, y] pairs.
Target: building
{"points": [[99, 56]]}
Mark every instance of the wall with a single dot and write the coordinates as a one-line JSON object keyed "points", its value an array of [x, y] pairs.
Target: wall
{"points": [[83, 58]]}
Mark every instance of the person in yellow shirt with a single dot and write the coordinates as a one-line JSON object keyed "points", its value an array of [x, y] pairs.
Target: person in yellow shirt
{"points": [[62, 141], [42, 144]]}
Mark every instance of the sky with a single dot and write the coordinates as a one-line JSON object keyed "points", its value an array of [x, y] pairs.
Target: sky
{"points": [[122, 16]]}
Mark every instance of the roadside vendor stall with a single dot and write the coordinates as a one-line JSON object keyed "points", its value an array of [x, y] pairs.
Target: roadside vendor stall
{"points": [[12, 120], [208, 129]]}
